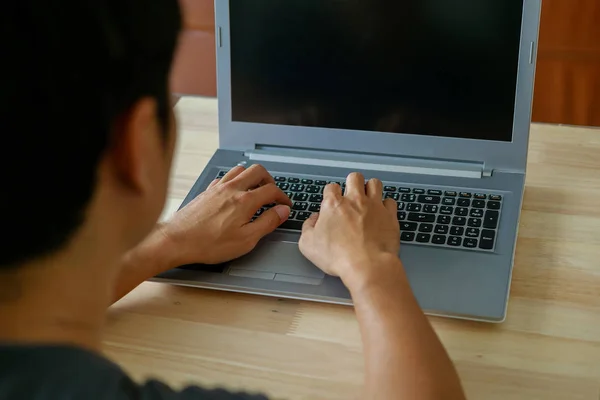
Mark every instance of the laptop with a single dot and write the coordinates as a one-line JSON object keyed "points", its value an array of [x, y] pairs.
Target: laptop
{"points": [[433, 97]]}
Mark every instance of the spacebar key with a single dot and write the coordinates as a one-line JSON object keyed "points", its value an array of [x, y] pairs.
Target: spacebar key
{"points": [[416, 217], [291, 224]]}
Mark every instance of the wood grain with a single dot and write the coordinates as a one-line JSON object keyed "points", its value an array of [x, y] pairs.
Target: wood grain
{"points": [[548, 348]]}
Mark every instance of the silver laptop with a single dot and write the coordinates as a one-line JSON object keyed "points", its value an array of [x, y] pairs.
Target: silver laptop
{"points": [[433, 97]]}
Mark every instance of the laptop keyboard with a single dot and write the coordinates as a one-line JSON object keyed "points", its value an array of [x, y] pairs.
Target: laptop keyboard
{"points": [[455, 218]]}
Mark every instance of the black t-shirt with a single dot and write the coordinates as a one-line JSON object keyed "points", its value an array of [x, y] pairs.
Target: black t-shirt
{"points": [[66, 373]]}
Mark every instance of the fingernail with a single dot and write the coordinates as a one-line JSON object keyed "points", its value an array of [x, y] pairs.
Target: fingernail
{"points": [[283, 212]]}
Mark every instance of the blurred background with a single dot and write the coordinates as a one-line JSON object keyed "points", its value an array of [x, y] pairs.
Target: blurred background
{"points": [[567, 89]]}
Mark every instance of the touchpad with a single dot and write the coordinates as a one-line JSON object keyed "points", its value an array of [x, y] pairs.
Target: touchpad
{"points": [[280, 261]]}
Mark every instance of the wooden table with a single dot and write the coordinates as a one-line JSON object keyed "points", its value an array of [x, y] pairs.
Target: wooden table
{"points": [[548, 348]]}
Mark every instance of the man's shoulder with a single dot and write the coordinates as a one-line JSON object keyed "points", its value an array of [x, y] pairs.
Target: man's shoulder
{"points": [[45, 372]]}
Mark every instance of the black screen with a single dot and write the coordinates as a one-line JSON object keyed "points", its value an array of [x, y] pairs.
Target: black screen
{"points": [[430, 67]]}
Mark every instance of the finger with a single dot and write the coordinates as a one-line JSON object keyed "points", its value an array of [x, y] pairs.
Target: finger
{"points": [[355, 184], [253, 177], [391, 206], [374, 189], [310, 223], [268, 221], [213, 183], [333, 191], [232, 174], [268, 194]]}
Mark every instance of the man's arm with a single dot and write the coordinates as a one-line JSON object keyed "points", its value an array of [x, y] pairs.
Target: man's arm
{"points": [[404, 358], [151, 257], [357, 238], [213, 228]]}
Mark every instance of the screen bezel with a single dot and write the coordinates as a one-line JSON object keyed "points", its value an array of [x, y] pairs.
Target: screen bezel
{"points": [[496, 155]]}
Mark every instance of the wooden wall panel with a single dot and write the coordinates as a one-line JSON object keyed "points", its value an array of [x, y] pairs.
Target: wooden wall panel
{"points": [[194, 70], [567, 89]]}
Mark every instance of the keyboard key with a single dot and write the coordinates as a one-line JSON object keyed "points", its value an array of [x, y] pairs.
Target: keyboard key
{"points": [[408, 226], [430, 209], [401, 216], [444, 219], [313, 189], [222, 174], [454, 241], [300, 206], [404, 190], [450, 193], [289, 194], [464, 202], [434, 192], [418, 191], [321, 183], [270, 205], [447, 210], [476, 213], [460, 221], [389, 188], [495, 197], [480, 196], [259, 212], [390, 195], [475, 222], [307, 181], [491, 219], [449, 201], [293, 180], [315, 198], [472, 233], [336, 182], [487, 239], [296, 188], [423, 237], [478, 204], [470, 243], [303, 216], [441, 229], [283, 185], [300, 197], [292, 224], [493, 205], [279, 179], [430, 199], [426, 228], [414, 207], [409, 198], [461, 211], [457, 231], [292, 214], [421, 217], [438, 239], [314, 207], [466, 195], [407, 236], [401, 206]]}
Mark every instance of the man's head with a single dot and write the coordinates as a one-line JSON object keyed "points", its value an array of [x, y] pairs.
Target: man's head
{"points": [[86, 120]]}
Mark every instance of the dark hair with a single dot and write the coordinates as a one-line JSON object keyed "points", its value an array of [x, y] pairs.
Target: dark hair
{"points": [[69, 69]]}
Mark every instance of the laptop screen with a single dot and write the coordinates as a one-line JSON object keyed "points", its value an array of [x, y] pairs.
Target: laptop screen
{"points": [[428, 67]]}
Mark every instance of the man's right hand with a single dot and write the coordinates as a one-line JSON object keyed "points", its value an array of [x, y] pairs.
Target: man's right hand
{"points": [[352, 231]]}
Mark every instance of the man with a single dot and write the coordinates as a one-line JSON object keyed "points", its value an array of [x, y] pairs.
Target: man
{"points": [[88, 141]]}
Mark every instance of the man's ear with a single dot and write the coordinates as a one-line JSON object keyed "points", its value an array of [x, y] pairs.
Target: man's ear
{"points": [[136, 145]]}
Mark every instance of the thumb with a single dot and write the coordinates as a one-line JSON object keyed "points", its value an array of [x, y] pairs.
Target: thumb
{"points": [[270, 220], [310, 223]]}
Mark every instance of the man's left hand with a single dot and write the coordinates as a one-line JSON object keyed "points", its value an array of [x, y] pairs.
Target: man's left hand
{"points": [[215, 227]]}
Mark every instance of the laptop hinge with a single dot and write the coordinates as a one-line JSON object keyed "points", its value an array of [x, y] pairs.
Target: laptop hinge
{"points": [[369, 162]]}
